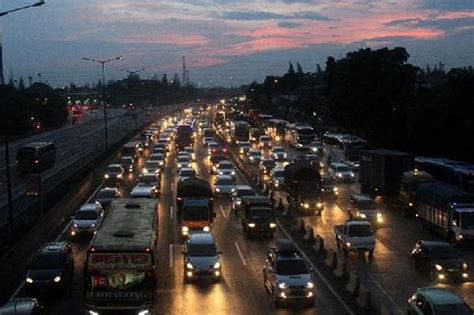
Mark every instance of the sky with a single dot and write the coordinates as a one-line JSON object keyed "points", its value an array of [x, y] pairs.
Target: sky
{"points": [[226, 43]]}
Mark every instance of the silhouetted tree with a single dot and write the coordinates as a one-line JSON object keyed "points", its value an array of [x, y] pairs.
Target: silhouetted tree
{"points": [[299, 69]]}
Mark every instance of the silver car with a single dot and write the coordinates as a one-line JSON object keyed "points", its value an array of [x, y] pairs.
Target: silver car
{"points": [[223, 185], [279, 154], [226, 168], [201, 257], [87, 219]]}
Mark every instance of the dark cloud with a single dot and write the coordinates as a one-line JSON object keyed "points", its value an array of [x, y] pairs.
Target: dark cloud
{"points": [[448, 5], [438, 23], [264, 15], [289, 24]]}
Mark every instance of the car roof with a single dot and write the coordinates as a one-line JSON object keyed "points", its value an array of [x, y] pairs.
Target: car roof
{"points": [[338, 164], [187, 169], [243, 187], [361, 197], [201, 238], [432, 244], [108, 189], [114, 165], [88, 206], [53, 248], [224, 177], [439, 296], [225, 162]]}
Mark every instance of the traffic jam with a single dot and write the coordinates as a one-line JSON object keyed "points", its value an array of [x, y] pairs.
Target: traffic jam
{"points": [[223, 210]]}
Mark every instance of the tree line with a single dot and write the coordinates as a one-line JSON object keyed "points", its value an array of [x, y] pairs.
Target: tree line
{"points": [[379, 95]]}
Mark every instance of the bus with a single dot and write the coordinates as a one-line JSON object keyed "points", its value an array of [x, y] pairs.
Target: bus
{"points": [[300, 136], [35, 157], [455, 173], [120, 267], [344, 148]]}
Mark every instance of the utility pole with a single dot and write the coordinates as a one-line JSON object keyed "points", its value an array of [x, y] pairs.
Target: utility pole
{"points": [[9, 182]]}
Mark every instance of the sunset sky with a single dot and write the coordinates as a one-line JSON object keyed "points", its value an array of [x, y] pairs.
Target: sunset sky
{"points": [[225, 41]]}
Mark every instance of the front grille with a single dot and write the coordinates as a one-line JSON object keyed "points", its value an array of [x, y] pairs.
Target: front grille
{"points": [[297, 293]]}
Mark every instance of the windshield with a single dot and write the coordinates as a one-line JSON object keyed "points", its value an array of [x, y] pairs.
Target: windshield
{"points": [[183, 160], [127, 161], [306, 132], [279, 173], [152, 164], [187, 173], [156, 157], [444, 252], [278, 150], [360, 230], [291, 267], [202, 250], [86, 215], [114, 169], [106, 194], [26, 152], [196, 213], [265, 139], [47, 262], [255, 153], [367, 205], [224, 181], [261, 213], [449, 309], [148, 179], [467, 220], [269, 163], [245, 192], [226, 166], [343, 169]]}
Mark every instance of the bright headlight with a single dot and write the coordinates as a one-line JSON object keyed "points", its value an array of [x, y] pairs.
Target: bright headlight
{"points": [[206, 229], [106, 176], [273, 225], [29, 280], [379, 215], [232, 173], [217, 265], [306, 206], [189, 265], [57, 279], [319, 204], [438, 267], [145, 171], [339, 175], [217, 189], [119, 176], [75, 225], [464, 265], [282, 285], [309, 285], [185, 229], [362, 215], [334, 189], [352, 174], [251, 225]]}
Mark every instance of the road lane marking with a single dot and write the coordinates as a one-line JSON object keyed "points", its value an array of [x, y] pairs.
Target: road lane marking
{"points": [[222, 211], [63, 232], [171, 187], [315, 269], [94, 192], [171, 256], [171, 212], [240, 253]]}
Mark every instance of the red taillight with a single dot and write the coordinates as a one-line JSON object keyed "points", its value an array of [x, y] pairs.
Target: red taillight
{"points": [[213, 150], [92, 249], [147, 249], [225, 150], [179, 198]]}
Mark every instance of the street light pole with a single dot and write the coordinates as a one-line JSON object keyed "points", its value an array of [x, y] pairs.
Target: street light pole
{"points": [[37, 4], [104, 103]]}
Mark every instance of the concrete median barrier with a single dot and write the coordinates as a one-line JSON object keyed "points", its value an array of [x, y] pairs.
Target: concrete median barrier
{"points": [[354, 284], [331, 259], [319, 244], [363, 299], [308, 235], [341, 271]]}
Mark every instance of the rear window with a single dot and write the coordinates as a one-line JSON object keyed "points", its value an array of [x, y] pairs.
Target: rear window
{"points": [[360, 230], [343, 169], [148, 179], [152, 164], [114, 169], [278, 173], [226, 166], [245, 192], [187, 173]]}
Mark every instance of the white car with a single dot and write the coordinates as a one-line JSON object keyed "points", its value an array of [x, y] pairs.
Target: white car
{"points": [[152, 167], [142, 190], [87, 219], [185, 173], [223, 185], [255, 156], [244, 147], [341, 172], [184, 161], [226, 168], [279, 154]]}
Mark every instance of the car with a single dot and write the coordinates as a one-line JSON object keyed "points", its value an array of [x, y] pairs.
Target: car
{"points": [[87, 219], [207, 140], [127, 163], [159, 150], [163, 143], [152, 167], [223, 185], [201, 257], [264, 142], [225, 168], [254, 155], [314, 159], [277, 177], [158, 157], [266, 165], [341, 172], [244, 147], [440, 260], [437, 301], [212, 148], [279, 154], [286, 274], [142, 190], [114, 173], [22, 306], [52, 269], [364, 207], [185, 173], [328, 188], [184, 161], [151, 180], [190, 151], [106, 195], [238, 192]]}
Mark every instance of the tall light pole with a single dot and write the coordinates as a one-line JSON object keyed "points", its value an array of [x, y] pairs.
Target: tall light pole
{"points": [[37, 4], [102, 63]]}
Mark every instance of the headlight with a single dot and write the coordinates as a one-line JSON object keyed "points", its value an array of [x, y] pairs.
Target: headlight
{"points": [[221, 173], [232, 173], [251, 225], [106, 176], [93, 313], [285, 156], [273, 225], [339, 175], [75, 225], [438, 267], [160, 162], [57, 279], [306, 206], [206, 229], [309, 285], [319, 205], [145, 312], [362, 215], [217, 265], [29, 280], [189, 265], [334, 189], [119, 176], [239, 202], [179, 164], [92, 225], [145, 171], [185, 229], [282, 285], [352, 174], [464, 265], [379, 215], [217, 189]]}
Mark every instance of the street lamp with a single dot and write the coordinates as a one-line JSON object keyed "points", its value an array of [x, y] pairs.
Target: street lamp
{"points": [[103, 62], [37, 4]]}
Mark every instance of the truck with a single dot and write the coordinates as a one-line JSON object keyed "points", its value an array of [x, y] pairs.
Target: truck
{"points": [[257, 216], [446, 210], [355, 236], [408, 188], [239, 131], [303, 187], [120, 270], [184, 137], [194, 200], [381, 171]]}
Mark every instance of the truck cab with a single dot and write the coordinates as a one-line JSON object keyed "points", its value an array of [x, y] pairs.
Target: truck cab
{"points": [[355, 236], [196, 215]]}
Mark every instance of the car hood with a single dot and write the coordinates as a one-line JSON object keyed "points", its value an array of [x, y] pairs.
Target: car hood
{"points": [[449, 263], [225, 187], [294, 279], [85, 223], [203, 263], [43, 274]]}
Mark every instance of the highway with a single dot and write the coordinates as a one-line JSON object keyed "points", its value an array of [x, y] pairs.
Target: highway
{"points": [[389, 274]]}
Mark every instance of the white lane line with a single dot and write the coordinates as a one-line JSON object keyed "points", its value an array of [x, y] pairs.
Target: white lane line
{"points": [[222, 211], [64, 231], [171, 212], [338, 297], [171, 256], [240, 253], [94, 192]]}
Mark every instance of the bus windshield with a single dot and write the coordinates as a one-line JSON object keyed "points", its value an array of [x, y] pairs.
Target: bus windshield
{"points": [[196, 213]]}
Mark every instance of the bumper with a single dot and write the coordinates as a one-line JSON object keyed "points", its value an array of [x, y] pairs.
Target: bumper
{"points": [[77, 232], [209, 274], [296, 295], [452, 275]]}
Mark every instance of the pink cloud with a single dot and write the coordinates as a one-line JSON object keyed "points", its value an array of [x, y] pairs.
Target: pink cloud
{"points": [[178, 39]]}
